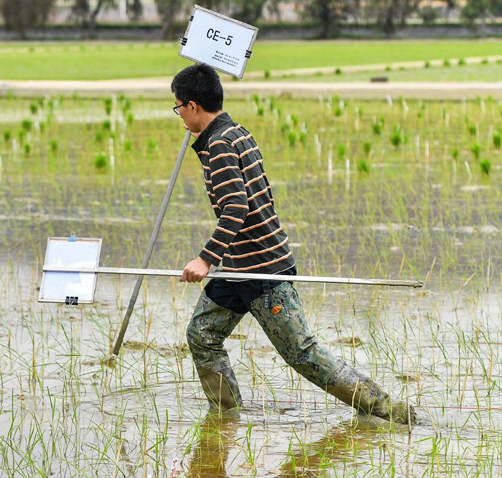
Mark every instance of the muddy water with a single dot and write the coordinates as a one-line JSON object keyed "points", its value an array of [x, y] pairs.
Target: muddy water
{"points": [[440, 349], [65, 414]]}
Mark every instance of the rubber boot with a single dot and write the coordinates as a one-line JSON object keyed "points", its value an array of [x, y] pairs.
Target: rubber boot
{"points": [[221, 388], [359, 391], [209, 327], [282, 318]]}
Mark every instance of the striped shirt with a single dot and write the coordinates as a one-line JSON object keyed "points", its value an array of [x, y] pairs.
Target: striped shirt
{"points": [[248, 236]]}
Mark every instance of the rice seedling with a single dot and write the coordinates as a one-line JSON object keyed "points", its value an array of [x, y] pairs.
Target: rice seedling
{"points": [[476, 150], [485, 166], [497, 139]]}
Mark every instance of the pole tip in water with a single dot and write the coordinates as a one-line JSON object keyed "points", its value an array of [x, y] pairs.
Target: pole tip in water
{"points": [[109, 361]]}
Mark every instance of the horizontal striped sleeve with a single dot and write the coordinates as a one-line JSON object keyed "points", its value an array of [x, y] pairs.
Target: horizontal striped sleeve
{"points": [[266, 221], [221, 170], [242, 206], [214, 143], [225, 183], [223, 155], [261, 208], [219, 242], [237, 126], [236, 219], [229, 192], [259, 193], [241, 138], [248, 151], [226, 231], [212, 254], [252, 165], [248, 235], [257, 178]]}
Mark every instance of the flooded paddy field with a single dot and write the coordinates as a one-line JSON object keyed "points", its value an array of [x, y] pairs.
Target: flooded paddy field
{"points": [[364, 189]]}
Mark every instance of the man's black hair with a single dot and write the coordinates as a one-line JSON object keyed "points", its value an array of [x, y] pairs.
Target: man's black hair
{"points": [[199, 83]]}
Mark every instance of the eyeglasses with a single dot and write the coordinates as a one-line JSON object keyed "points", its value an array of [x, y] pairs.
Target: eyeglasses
{"points": [[176, 109]]}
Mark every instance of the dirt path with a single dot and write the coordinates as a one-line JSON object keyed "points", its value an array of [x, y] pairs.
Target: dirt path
{"points": [[161, 87]]}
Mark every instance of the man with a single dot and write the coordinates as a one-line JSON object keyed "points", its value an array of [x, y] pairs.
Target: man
{"points": [[249, 238]]}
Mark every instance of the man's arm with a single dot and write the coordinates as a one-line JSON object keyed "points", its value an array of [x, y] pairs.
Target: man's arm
{"points": [[231, 198]]}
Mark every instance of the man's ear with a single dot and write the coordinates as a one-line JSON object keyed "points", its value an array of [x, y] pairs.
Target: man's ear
{"points": [[192, 105]]}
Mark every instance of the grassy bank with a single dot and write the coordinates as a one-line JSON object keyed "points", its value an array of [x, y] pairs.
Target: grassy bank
{"points": [[92, 61]]}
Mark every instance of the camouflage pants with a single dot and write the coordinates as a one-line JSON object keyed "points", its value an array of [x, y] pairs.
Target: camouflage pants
{"points": [[284, 323]]}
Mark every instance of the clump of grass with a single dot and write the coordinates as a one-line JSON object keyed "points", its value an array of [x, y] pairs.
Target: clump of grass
{"points": [[151, 145], [485, 167], [267, 75], [27, 149], [367, 148], [285, 127], [455, 154], [397, 137], [427, 64], [108, 106], [461, 62], [295, 120], [484, 61], [340, 151], [54, 145], [42, 126], [27, 124], [107, 125], [260, 111], [125, 104], [446, 63], [363, 166], [377, 126], [21, 135], [34, 108], [292, 138], [7, 135], [128, 146], [99, 137], [303, 137], [473, 129], [338, 71], [130, 118], [497, 139], [476, 150], [101, 161]]}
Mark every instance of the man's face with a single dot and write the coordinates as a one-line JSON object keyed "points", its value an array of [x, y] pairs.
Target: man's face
{"points": [[188, 113]]}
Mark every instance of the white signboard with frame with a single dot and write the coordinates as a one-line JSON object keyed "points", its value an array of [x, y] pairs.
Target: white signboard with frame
{"points": [[218, 41], [71, 288]]}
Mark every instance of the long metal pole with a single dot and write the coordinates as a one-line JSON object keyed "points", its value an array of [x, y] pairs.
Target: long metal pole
{"points": [[235, 275], [151, 245]]}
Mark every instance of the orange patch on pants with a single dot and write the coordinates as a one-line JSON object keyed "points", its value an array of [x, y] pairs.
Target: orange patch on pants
{"points": [[276, 309]]}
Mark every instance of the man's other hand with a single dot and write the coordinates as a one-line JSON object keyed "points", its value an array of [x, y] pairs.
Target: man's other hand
{"points": [[195, 270]]}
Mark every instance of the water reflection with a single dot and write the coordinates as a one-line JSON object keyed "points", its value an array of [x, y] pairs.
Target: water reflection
{"points": [[216, 436], [338, 448]]}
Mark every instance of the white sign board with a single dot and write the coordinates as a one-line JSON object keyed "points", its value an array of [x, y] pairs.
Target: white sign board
{"points": [[218, 41], [70, 287]]}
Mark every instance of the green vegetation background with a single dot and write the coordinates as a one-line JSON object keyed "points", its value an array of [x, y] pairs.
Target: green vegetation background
{"points": [[95, 61]]}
